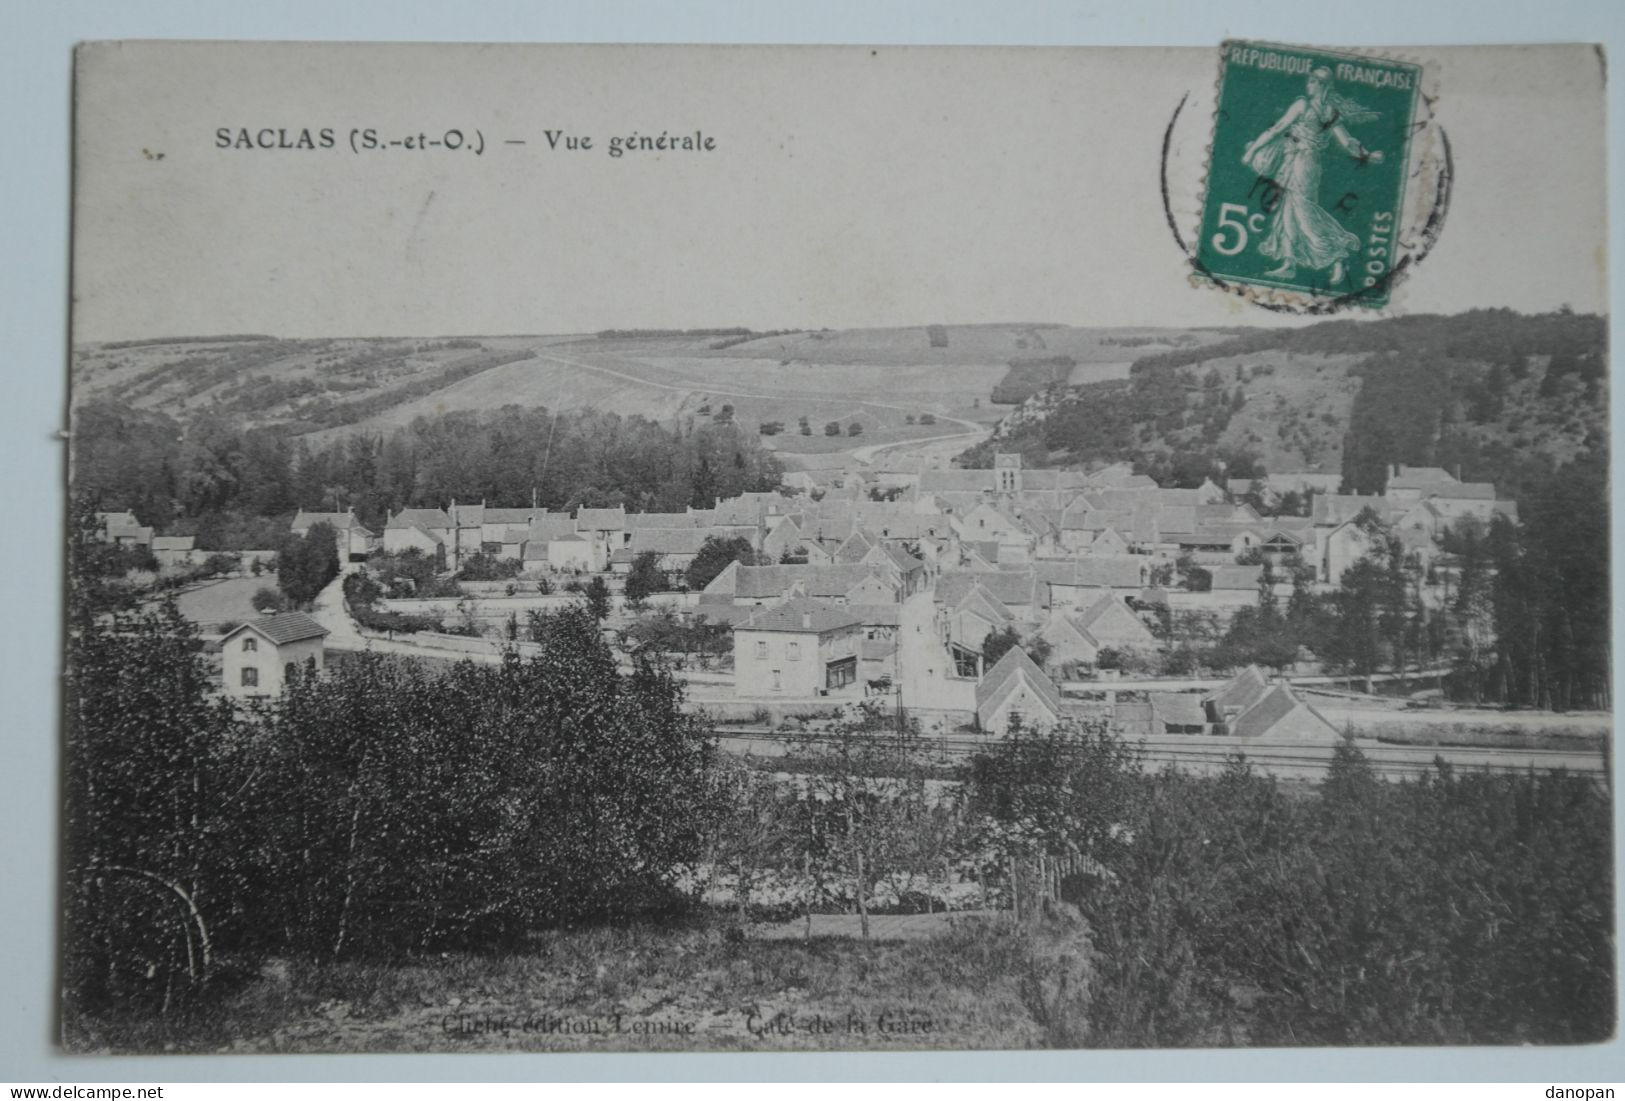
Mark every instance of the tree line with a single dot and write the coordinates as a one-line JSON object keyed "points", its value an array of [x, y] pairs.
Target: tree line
{"points": [[1523, 616], [233, 487]]}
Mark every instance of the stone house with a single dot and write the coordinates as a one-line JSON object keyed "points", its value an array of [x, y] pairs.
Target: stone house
{"points": [[260, 657]]}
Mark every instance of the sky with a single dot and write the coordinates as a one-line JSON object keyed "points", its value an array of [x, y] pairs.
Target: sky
{"points": [[847, 187]]}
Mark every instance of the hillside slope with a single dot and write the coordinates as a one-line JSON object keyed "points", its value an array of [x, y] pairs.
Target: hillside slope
{"points": [[872, 385], [1495, 395]]}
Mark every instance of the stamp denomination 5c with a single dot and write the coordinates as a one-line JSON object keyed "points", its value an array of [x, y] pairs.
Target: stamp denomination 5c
{"points": [[1307, 171]]}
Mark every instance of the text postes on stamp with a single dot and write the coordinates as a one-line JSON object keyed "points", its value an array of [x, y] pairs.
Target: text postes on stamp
{"points": [[1306, 172]]}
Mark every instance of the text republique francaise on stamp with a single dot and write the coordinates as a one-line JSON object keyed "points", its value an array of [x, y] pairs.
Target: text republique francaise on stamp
{"points": [[1307, 173]]}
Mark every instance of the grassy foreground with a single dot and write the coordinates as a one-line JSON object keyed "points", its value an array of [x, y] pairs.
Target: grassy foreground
{"points": [[697, 986]]}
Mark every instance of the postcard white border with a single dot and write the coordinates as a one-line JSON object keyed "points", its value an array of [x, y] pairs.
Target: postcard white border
{"points": [[36, 74]]}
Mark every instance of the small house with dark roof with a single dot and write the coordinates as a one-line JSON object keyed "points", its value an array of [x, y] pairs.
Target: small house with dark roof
{"points": [[123, 529], [800, 649], [552, 542], [1248, 706], [1079, 582], [605, 528], [1177, 713], [783, 539], [354, 540], [855, 549], [428, 530], [1107, 622], [910, 573], [260, 657], [1016, 692], [968, 621]]}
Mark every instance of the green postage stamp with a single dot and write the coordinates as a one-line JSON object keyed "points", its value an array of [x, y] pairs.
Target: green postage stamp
{"points": [[1306, 173]]}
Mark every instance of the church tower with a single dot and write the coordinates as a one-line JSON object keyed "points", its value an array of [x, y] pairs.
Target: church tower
{"points": [[1007, 473]]}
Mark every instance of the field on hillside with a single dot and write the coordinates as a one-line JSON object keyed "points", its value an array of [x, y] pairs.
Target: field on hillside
{"points": [[301, 383], [966, 345], [665, 388], [877, 379]]}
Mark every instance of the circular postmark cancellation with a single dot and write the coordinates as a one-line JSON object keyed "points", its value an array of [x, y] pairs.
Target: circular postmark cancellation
{"points": [[1325, 182]]}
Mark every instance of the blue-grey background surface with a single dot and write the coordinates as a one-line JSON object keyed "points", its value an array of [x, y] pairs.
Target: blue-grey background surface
{"points": [[35, 72]]}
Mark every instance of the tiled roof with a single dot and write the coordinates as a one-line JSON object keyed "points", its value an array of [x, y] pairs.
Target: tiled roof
{"points": [[738, 512], [1176, 520], [173, 542], [510, 516], [1177, 708], [877, 615], [1148, 496], [1094, 611], [548, 526], [1271, 708], [1241, 691], [1466, 491], [821, 527], [855, 549], [284, 627], [955, 481], [956, 502], [1302, 526], [338, 521], [601, 519], [418, 518], [1054, 479], [468, 516], [668, 540], [1213, 533], [802, 616], [902, 559], [1420, 477], [1008, 672], [1112, 571], [978, 601], [759, 582], [636, 520], [1331, 509], [1006, 586], [1081, 516]]}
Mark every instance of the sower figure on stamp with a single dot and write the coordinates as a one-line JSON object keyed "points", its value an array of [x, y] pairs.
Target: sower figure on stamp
{"points": [[1302, 233]]}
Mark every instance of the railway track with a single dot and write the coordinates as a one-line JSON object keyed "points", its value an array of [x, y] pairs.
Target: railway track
{"points": [[1288, 760]]}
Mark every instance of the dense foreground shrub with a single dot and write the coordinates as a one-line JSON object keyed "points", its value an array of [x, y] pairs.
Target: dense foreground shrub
{"points": [[402, 811], [377, 811], [1463, 908]]}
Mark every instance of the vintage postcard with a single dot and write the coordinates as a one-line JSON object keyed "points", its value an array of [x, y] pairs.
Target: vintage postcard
{"points": [[837, 548]]}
